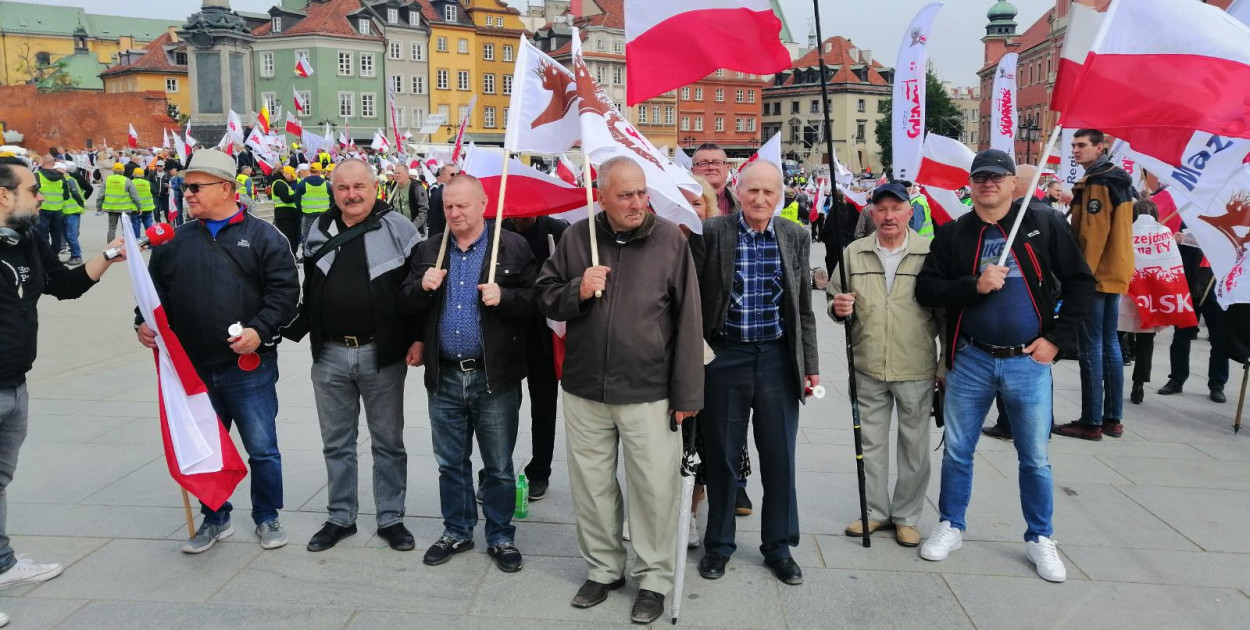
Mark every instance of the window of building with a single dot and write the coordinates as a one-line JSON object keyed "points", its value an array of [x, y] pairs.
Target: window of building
{"points": [[739, 125], [861, 128], [796, 134], [642, 114], [815, 108], [367, 105], [740, 96], [601, 45], [505, 115], [441, 44], [462, 46], [655, 114], [443, 113], [417, 53], [720, 124], [488, 52], [794, 107], [618, 47], [345, 64], [346, 105], [418, 117], [507, 84], [685, 94], [414, 18], [462, 80], [364, 26], [507, 53], [392, 15], [488, 83], [720, 74], [180, 58], [449, 13], [266, 64], [269, 100], [171, 85], [440, 79], [305, 97], [685, 123], [397, 84], [277, 25], [698, 124], [367, 69], [464, 113], [399, 118], [618, 75], [698, 94], [418, 84], [394, 50], [751, 125], [750, 96], [861, 106], [669, 113], [601, 74], [720, 95], [488, 117]]}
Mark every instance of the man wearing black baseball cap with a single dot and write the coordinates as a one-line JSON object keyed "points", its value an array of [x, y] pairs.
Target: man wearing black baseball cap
{"points": [[1001, 338]]}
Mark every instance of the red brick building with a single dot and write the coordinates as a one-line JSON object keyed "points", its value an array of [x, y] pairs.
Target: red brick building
{"points": [[725, 108], [78, 118]]}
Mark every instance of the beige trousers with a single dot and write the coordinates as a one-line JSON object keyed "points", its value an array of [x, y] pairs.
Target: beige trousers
{"points": [[652, 472], [877, 401]]}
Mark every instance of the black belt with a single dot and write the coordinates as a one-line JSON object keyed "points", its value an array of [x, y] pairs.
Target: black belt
{"points": [[352, 341], [467, 365], [998, 352]]}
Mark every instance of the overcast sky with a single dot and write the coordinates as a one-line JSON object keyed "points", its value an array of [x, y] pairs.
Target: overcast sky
{"points": [[878, 25]]}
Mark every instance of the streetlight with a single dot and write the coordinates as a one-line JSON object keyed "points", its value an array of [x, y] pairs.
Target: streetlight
{"points": [[688, 141], [1029, 130]]}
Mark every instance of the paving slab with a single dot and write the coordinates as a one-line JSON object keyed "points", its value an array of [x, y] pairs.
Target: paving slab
{"points": [[835, 598], [1215, 520], [1155, 566], [976, 558], [372, 620], [110, 521], [132, 615], [1184, 473], [44, 476], [36, 613]]}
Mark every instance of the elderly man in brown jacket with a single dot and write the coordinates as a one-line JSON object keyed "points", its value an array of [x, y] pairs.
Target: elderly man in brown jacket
{"points": [[633, 370]]}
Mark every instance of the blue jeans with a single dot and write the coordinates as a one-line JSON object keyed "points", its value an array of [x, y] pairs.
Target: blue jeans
{"points": [[71, 234], [51, 228], [140, 221], [1024, 386], [460, 408], [1102, 365], [250, 400]]}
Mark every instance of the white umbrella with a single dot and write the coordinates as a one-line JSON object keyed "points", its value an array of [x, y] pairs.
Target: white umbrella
{"points": [[689, 462]]}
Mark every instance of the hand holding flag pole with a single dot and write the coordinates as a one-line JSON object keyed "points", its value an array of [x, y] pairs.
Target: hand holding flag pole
{"points": [[1024, 203]]}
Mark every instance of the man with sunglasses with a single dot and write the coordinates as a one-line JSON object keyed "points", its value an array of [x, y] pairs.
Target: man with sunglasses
{"points": [[224, 267], [1000, 341]]}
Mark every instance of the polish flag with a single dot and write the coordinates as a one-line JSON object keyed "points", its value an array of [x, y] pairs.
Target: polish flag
{"points": [[180, 147], [857, 199], [558, 329], [1083, 24], [294, 126], [670, 44], [944, 205], [302, 67], [567, 171], [531, 192], [944, 163], [1199, 60], [187, 134], [198, 450], [301, 105], [133, 138]]}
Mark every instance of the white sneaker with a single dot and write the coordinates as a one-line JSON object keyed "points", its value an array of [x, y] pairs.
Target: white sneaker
{"points": [[942, 541], [27, 571], [1045, 556], [692, 542]]}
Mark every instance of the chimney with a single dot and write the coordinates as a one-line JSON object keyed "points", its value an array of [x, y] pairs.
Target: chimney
{"points": [[173, 34], [867, 55]]}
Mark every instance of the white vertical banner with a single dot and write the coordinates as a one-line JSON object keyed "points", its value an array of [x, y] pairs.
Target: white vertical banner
{"points": [[909, 93], [1069, 171], [1003, 106]]}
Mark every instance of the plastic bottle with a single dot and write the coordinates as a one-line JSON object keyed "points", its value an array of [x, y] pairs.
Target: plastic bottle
{"points": [[522, 497]]}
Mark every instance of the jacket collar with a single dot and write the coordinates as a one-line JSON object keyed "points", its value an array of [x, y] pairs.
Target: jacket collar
{"points": [[637, 234]]}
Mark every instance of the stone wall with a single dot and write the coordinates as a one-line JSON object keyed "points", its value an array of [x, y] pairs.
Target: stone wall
{"points": [[69, 119]]}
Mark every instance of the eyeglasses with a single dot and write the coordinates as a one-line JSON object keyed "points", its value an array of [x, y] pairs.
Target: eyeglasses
{"points": [[195, 188], [710, 163], [981, 178]]}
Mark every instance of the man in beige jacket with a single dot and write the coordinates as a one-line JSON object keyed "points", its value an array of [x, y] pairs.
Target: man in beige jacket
{"points": [[896, 360]]}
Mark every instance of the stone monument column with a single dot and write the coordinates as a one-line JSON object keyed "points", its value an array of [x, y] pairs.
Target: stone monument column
{"points": [[219, 67]]}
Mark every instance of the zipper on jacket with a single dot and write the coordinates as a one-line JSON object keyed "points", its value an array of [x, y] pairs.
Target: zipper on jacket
{"points": [[607, 345], [1029, 289], [1037, 267]]}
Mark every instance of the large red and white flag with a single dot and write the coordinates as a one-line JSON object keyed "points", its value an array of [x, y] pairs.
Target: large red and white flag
{"points": [[191, 142], [1084, 23], [303, 68], [1158, 287], [945, 163], [458, 151], [1003, 106], [262, 146], [910, 81], [670, 44], [944, 205], [132, 138], [293, 125], [1199, 60], [1240, 9], [198, 449], [530, 192], [857, 199], [569, 172]]}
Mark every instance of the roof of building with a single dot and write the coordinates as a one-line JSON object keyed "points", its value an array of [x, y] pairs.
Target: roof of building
{"points": [[786, 37], [84, 68], [42, 19], [156, 59], [840, 54], [329, 18]]}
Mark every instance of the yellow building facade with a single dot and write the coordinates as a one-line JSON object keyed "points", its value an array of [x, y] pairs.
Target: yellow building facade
{"points": [[499, 30], [453, 67], [162, 67]]}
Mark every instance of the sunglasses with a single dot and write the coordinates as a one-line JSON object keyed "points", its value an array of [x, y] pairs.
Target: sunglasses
{"points": [[981, 178], [195, 188]]}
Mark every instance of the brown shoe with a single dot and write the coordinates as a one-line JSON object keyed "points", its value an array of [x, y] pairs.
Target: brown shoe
{"points": [[647, 607], [1079, 430], [593, 593], [906, 535], [856, 528], [1112, 429]]}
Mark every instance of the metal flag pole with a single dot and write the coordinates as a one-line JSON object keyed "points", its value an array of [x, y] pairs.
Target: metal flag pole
{"points": [[852, 390]]}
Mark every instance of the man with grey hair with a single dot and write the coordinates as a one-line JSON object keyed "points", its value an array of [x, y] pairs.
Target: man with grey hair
{"points": [[355, 260], [757, 317], [633, 371], [409, 198]]}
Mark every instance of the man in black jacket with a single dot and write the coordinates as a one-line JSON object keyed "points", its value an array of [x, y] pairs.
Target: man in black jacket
{"points": [[229, 267], [437, 219], [29, 269], [473, 331], [355, 261], [1001, 339]]}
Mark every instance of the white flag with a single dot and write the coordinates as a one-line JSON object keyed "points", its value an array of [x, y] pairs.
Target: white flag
{"points": [[234, 127], [1003, 106], [543, 112], [910, 80]]}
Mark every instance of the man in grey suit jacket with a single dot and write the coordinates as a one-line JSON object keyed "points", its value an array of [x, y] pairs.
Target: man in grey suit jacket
{"points": [[754, 274]]}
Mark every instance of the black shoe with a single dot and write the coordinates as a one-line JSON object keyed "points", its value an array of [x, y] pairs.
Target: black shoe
{"points": [[481, 478], [593, 593], [997, 431], [506, 556], [648, 607], [712, 566], [786, 570], [444, 549], [329, 535], [398, 537], [742, 505], [1138, 394], [538, 489], [1217, 395], [1172, 387]]}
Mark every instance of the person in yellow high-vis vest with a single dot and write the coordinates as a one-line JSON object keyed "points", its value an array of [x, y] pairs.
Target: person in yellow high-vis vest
{"points": [[120, 195], [72, 211], [142, 219], [51, 226], [286, 214], [922, 215], [313, 195]]}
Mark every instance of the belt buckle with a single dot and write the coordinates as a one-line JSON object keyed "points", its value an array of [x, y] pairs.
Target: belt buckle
{"points": [[472, 365], [351, 341]]}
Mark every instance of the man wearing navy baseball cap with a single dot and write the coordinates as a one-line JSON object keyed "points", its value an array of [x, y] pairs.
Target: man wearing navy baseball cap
{"points": [[1000, 341]]}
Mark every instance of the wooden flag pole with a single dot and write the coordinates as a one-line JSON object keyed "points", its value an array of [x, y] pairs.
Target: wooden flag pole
{"points": [[590, 212], [442, 248], [494, 250], [186, 506]]}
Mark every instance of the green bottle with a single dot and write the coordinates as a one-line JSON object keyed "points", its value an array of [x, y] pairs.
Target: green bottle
{"points": [[522, 497]]}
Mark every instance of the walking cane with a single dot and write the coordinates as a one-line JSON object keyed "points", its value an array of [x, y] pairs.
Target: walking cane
{"points": [[851, 388], [1241, 402]]}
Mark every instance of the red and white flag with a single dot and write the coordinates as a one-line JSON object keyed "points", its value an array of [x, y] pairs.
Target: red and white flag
{"points": [[670, 44], [1084, 23], [945, 163], [567, 171], [191, 142], [303, 68], [558, 329], [132, 138], [165, 138], [181, 148], [857, 199], [301, 105], [530, 192], [379, 142], [910, 81], [1158, 287], [198, 450], [944, 205], [456, 153], [294, 126], [1003, 106]]}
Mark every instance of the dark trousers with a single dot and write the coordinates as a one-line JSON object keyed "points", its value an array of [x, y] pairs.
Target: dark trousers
{"points": [[746, 380], [287, 220], [1143, 355], [544, 391], [51, 229]]}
